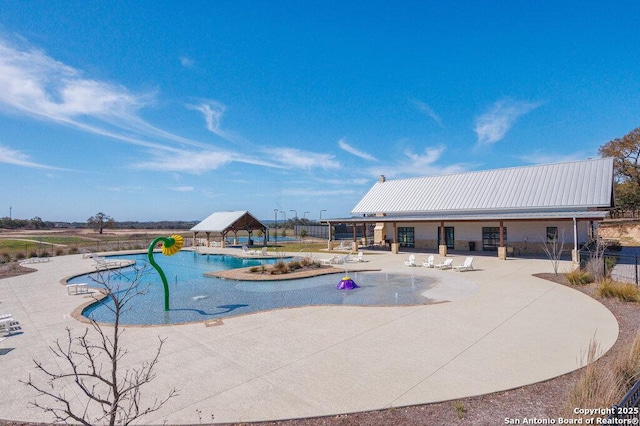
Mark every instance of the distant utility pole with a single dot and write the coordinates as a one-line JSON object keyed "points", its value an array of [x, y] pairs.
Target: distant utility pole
{"points": [[10, 212]]}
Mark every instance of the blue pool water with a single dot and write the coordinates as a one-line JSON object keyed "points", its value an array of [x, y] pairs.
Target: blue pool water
{"points": [[194, 297]]}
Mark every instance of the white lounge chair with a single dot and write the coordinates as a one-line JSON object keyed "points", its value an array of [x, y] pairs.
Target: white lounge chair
{"points": [[103, 263], [79, 288], [263, 252], [328, 260], [429, 262], [344, 246], [8, 325], [447, 264], [357, 258], [411, 261], [466, 266]]}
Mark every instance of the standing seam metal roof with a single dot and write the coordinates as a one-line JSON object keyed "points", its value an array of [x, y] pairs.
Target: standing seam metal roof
{"points": [[576, 185]]}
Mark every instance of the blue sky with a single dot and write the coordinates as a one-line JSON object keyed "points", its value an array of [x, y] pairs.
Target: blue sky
{"points": [[158, 110]]}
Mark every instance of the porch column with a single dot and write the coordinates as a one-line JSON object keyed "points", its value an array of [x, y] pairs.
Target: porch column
{"points": [[354, 243], [502, 250], [442, 248], [364, 234], [329, 241], [395, 247], [575, 253]]}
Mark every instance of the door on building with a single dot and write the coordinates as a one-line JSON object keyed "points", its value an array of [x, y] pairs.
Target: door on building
{"points": [[406, 236], [448, 237], [491, 238]]}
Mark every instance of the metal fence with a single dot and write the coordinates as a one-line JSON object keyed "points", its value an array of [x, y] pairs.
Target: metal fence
{"points": [[622, 267], [628, 408]]}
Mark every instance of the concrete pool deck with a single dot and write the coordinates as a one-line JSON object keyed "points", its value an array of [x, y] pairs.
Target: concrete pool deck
{"points": [[514, 330]]}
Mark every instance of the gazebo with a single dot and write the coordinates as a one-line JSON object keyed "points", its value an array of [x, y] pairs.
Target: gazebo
{"points": [[223, 223]]}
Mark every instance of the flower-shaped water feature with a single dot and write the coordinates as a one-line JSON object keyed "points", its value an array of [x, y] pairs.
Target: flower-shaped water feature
{"points": [[170, 246], [347, 283]]}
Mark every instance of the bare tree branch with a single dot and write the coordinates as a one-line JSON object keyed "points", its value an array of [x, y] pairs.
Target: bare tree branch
{"points": [[104, 393]]}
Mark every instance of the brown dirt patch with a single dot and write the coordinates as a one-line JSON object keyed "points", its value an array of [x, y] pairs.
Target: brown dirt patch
{"points": [[13, 269]]}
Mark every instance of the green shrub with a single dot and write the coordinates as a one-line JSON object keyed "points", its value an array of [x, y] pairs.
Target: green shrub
{"points": [[579, 277], [5, 257], [20, 256], [59, 252], [622, 291], [254, 269], [33, 254], [73, 250]]}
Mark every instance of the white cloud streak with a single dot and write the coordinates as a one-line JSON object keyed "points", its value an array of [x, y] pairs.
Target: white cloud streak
{"points": [[426, 109], [421, 164], [17, 158], [36, 85], [298, 159], [494, 124], [351, 150]]}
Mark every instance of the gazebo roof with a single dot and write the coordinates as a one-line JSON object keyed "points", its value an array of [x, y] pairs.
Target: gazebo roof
{"points": [[223, 222]]}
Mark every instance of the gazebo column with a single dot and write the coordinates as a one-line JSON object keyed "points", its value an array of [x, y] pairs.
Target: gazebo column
{"points": [[224, 240], [502, 249], [442, 248], [364, 234], [575, 253], [395, 247], [330, 240], [208, 238]]}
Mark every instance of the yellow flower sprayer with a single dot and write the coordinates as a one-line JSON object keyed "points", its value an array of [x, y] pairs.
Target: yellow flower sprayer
{"points": [[170, 246]]}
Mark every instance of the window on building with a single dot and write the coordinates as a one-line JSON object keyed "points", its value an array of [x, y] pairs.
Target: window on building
{"points": [[552, 234], [491, 238], [406, 236]]}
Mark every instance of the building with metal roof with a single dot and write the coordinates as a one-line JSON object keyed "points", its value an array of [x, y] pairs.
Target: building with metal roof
{"points": [[222, 223], [506, 210]]}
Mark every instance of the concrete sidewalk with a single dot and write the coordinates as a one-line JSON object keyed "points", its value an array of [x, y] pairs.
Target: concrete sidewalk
{"points": [[511, 330]]}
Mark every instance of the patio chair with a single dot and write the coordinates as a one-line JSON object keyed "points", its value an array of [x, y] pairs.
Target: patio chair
{"points": [[466, 266], [429, 262], [357, 258], [8, 325], [328, 260], [447, 264], [411, 261]]}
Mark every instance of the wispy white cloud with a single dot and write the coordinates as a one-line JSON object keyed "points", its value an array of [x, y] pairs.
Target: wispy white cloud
{"points": [[187, 62], [420, 164], [426, 109], [36, 85], [181, 188], [494, 124], [298, 159], [212, 111], [17, 158], [351, 150]]}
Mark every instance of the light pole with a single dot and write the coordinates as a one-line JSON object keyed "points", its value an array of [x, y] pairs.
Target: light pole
{"points": [[304, 215], [275, 212], [284, 221], [321, 214], [295, 231]]}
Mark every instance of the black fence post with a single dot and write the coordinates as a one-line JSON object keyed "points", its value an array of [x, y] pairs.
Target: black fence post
{"points": [[636, 268]]}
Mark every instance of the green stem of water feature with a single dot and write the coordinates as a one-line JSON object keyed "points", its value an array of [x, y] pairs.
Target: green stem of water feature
{"points": [[168, 242]]}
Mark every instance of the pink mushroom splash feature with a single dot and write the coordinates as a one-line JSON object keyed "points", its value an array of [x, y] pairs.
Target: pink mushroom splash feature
{"points": [[346, 283]]}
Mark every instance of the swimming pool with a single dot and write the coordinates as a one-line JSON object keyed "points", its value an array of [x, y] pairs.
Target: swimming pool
{"points": [[194, 297]]}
